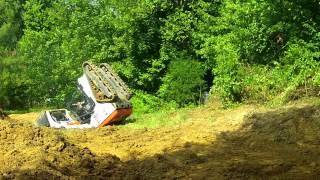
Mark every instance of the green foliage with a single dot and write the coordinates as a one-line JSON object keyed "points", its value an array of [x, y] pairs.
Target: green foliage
{"points": [[262, 49], [227, 79], [147, 103], [256, 50], [13, 92], [297, 70], [183, 83], [59, 36], [138, 38], [10, 24], [156, 119]]}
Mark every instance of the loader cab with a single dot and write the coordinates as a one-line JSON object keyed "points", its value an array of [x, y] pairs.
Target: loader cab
{"points": [[81, 106]]}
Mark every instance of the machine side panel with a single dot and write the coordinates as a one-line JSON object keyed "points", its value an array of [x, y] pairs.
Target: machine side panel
{"points": [[116, 115]]}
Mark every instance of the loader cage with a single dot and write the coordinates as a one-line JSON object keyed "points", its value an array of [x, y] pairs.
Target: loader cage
{"points": [[81, 106]]}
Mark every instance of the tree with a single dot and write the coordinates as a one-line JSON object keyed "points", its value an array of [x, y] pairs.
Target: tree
{"points": [[10, 24]]}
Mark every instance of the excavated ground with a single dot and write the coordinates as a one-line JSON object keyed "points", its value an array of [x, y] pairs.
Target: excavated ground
{"points": [[247, 142]]}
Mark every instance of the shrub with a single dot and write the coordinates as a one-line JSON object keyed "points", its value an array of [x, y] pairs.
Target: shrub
{"points": [[146, 103], [183, 82]]}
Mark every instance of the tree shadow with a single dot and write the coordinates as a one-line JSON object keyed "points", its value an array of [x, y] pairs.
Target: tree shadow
{"points": [[281, 144]]}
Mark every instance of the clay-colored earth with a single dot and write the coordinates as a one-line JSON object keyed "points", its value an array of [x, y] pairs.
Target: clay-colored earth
{"points": [[247, 142]]}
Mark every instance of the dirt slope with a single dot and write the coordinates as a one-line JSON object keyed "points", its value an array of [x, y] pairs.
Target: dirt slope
{"points": [[242, 143]]}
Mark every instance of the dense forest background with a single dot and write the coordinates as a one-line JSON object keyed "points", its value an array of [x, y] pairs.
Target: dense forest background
{"points": [[169, 52]]}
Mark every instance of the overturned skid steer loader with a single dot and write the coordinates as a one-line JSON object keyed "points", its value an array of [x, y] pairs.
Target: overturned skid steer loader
{"points": [[102, 98]]}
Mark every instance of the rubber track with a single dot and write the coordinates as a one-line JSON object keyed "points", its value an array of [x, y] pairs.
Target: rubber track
{"points": [[107, 86], [121, 88]]}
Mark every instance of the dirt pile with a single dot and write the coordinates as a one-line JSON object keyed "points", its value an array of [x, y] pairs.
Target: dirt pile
{"points": [[289, 126], [282, 143], [28, 151], [241, 143]]}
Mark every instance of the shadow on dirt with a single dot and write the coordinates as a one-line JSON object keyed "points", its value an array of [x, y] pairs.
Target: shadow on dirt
{"points": [[282, 144]]}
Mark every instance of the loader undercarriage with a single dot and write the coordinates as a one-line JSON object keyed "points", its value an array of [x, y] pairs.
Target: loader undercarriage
{"points": [[106, 85]]}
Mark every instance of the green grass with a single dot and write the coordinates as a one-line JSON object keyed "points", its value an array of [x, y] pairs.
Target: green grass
{"points": [[23, 111], [157, 119]]}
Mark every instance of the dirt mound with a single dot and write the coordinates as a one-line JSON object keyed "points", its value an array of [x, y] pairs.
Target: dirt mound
{"points": [[240, 143], [282, 143], [28, 151], [289, 126]]}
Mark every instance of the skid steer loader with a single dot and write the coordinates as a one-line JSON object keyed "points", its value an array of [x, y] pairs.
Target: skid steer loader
{"points": [[102, 99]]}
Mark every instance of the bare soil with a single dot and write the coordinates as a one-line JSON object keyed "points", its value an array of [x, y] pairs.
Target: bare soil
{"points": [[247, 142]]}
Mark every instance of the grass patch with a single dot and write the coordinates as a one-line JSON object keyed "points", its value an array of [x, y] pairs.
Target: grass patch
{"points": [[157, 119], [24, 111]]}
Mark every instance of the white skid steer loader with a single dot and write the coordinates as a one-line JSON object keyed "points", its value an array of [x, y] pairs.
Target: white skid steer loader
{"points": [[102, 99]]}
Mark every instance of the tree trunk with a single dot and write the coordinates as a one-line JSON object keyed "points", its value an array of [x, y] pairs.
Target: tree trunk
{"points": [[3, 115]]}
